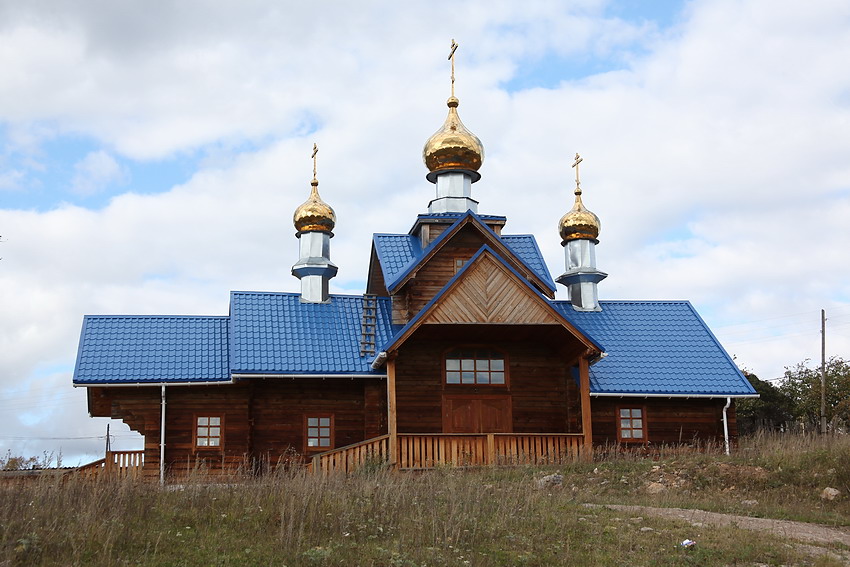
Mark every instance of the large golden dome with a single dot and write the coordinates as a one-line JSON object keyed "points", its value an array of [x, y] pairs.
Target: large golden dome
{"points": [[314, 215], [453, 147], [579, 223]]}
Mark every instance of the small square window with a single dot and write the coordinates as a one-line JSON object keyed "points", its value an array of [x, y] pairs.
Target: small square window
{"points": [[319, 433], [631, 425], [208, 431]]}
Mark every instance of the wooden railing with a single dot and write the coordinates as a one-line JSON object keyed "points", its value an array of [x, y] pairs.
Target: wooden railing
{"points": [[116, 464], [424, 451], [351, 457], [429, 450]]}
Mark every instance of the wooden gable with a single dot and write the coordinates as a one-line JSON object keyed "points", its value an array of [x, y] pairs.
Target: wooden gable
{"points": [[442, 262], [375, 281], [490, 293], [466, 237]]}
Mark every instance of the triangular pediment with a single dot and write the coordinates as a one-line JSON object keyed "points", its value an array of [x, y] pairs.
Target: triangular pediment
{"points": [[466, 231], [488, 292]]}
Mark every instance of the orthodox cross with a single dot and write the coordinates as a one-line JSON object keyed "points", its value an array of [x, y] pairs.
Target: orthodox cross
{"points": [[315, 151], [452, 59], [578, 160]]}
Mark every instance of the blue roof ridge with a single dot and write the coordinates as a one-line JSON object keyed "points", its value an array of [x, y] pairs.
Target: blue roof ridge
{"points": [[297, 293], [155, 317], [632, 301]]}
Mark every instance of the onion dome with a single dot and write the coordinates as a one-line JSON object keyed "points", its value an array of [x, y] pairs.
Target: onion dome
{"points": [[453, 147], [314, 215], [579, 223]]}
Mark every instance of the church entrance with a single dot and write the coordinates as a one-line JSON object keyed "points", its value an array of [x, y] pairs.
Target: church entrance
{"points": [[476, 414]]}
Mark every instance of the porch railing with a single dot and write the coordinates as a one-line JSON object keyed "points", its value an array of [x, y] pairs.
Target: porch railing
{"points": [[116, 464], [351, 457], [429, 450], [423, 451]]}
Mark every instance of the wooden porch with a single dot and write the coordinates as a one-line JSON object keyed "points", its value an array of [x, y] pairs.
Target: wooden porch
{"points": [[116, 464], [416, 451]]}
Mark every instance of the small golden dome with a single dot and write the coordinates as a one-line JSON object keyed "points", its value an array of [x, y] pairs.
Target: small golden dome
{"points": [[314, 215], [453, 147], [579, 223]]}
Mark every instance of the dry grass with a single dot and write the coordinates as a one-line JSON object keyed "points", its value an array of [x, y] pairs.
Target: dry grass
{"points": [[443, 517]]}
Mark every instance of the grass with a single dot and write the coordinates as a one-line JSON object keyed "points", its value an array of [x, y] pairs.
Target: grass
{"points": [[486, 517]]}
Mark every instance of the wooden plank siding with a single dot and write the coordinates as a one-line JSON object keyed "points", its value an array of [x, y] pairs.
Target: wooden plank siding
{"points": [[375, 284], [544, 395], [431, 277], [668, 420], [262, 420], [489, 294]]}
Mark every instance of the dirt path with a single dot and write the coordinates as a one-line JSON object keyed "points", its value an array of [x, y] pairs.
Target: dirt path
{"points": [[799, 531]]}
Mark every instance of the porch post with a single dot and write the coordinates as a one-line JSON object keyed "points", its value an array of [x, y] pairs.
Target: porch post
{"points": [[392, 427], [586, 422]]}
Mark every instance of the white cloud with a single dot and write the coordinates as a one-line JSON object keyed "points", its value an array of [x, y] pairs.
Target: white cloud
{"points": [[95, 172]]}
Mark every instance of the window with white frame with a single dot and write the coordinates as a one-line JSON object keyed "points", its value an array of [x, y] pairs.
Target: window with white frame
{"points": [[208, 431]]}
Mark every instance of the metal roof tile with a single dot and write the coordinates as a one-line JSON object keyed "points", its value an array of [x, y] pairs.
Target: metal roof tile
{"points": [[656, 347], [154, 349], [276, 333]]}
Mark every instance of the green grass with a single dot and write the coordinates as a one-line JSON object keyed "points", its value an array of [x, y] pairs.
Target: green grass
{"points": [[486, 517]]}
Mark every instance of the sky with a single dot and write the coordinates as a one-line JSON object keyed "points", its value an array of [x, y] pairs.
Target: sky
{"points": [[152, 155]]}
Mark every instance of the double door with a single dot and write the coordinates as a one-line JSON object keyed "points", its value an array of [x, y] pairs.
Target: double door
{"points": [[476, 414]]}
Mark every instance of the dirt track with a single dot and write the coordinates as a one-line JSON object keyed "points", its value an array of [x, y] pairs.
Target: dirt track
{"points": [[798, 531]]}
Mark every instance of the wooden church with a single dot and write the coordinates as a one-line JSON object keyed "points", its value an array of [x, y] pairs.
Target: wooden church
{"points": [[457, 353]]}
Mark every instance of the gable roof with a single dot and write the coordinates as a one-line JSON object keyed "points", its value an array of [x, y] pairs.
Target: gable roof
{"points": [[657, 348], [526, 248], [278, 334], [122, 349], [488, 307], [395, 253], [401, 254]]}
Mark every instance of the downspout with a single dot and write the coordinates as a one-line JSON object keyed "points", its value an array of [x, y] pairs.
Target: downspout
{"points": [[162, 439], [726, 424], [379, 360]]}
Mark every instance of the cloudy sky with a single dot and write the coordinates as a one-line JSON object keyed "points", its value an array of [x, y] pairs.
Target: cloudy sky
{"points": [[152, 154]]}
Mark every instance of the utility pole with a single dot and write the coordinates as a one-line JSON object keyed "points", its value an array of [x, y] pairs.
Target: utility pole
{"points": [[823, 371]]}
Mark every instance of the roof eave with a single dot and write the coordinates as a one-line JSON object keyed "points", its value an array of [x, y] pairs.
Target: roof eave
{"points": [[667, 395]]}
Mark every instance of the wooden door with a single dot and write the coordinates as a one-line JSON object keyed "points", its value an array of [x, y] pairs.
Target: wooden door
{"points": [[477, 414]]}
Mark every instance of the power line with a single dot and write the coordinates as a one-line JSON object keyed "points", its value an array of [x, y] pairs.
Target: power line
{"points": [[19, 438]]}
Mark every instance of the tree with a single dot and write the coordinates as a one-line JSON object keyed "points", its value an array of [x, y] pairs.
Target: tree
{"points": [[803, 385], [773, 409]]}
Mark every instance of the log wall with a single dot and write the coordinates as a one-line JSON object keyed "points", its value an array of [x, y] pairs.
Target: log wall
{"points": [[668, 420], [263, 420], [544, 397]]}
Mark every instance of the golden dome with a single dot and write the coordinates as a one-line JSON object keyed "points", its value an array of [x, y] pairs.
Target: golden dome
{"points": [[453, 147], [314, 215], [579, 223]]}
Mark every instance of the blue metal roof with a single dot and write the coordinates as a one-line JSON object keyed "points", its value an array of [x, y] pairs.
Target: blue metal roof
{"points": [[656, 348], [395, 253], [277, 333], [117, 349], [400, 253], [525, 246]]}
